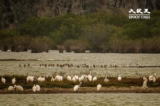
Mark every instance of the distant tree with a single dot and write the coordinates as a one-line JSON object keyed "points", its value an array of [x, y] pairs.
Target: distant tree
{"points": [[39, 44], [98, 35]]}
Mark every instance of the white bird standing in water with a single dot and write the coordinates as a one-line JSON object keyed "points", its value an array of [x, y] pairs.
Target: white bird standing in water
{"points": [[13, 81], [18, 88], [90, 76], [52, 79], [94, 78], [152, 78], [3, 80], [106, 79], [99, 86], [73, 79], [38, 88], [76, 87], [8, 50], [69, 78], [34, 88], [10, 88], [144, 83], [30, 78], [39, 79], [119, 78]]}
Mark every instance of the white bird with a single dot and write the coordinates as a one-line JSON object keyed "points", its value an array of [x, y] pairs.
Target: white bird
{"points": [[76, 77], [34, 88], [61, 78], [10, 88], [30, 78], [145, 83], [13, 81], [52, 79], [119, 78], [58, 78], [39, 79], [99, 86], [18, 87], [8, 50], [3, 80], [106, 79], [152, 77], [73, 79], [38, 88], [95, 78], [43, 79], [90, 76], [80, 79], [69, 78], [76, 87]]}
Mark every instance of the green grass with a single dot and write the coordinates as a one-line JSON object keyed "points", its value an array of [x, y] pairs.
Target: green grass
{"points": [[126, 82]]}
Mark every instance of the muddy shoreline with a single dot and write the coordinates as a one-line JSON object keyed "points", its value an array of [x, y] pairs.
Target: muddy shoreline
{"points": [[86, 90]]}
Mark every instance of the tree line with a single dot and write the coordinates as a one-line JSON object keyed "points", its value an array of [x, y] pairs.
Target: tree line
{"points": [[102, 31]]}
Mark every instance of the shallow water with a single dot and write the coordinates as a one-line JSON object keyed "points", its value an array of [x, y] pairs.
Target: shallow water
{"points": [[53, 57], [94, 99]]}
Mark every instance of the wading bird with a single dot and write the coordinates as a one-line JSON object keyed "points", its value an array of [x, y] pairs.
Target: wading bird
{"points": [[3, 80], [90, 76], [18, 88], [106, 79], [94, 78], [52, 79], [10, 88], [69, 78], [99, 86], [76, 87], [152, 78], [119, 78], [144, 83], [13, 81], [34, 88], [38, 88]]}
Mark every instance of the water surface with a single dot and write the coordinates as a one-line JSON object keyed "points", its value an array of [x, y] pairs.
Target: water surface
{"points": [[95, 99], [53, 57]]}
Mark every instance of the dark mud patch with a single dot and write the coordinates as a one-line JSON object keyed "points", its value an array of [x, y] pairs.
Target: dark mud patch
{"points": [[87, 90]]}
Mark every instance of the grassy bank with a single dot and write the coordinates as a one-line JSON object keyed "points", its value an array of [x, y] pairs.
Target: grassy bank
{"points": [[126, 82]]}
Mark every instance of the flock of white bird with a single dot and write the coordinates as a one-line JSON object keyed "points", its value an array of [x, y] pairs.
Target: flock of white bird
{"points": [[75, 78]]}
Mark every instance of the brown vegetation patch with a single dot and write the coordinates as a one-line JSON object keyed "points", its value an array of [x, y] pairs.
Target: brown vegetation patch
{"points": [[111, 89]]}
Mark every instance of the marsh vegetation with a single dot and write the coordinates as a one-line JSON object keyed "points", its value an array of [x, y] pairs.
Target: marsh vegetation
{"points": [[125, 82]]}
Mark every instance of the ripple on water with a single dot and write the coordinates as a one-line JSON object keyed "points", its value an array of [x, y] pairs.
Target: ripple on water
{"points": [[111, 99], [12, 67]]}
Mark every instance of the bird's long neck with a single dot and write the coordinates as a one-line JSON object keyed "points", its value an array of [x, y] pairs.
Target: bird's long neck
{"points": [[80, 84]]}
